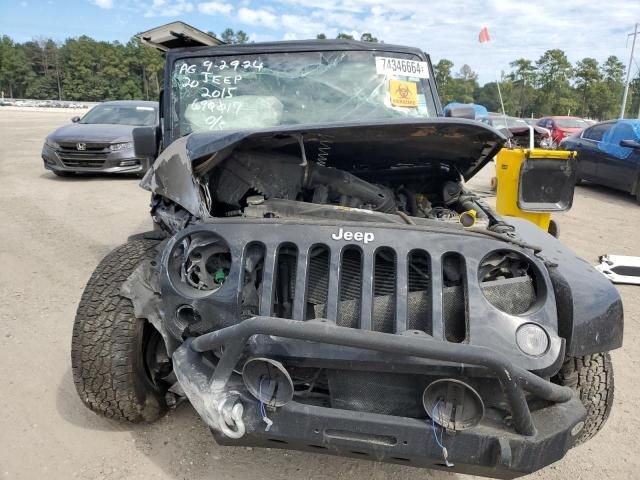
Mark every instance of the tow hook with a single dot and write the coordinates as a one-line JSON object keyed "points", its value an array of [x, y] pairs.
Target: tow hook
{"points": [[230, 419]]}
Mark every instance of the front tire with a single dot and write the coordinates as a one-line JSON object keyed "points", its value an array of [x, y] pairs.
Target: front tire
{"points": [[109, 345], [591, 376]]}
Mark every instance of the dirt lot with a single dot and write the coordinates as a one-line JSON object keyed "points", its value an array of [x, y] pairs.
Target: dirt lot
{"points": [[54, 232]]}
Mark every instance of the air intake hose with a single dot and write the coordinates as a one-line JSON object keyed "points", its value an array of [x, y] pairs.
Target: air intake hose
{"points": [[343, 183]]}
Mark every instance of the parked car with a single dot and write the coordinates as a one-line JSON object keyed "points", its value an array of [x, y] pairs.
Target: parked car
{"points": [[561, 127], [519, 130], [100, 141], [609, 154], [310, 284]]}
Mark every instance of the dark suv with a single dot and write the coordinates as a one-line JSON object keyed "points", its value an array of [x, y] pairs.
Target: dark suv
{"points": [[320, 278]]}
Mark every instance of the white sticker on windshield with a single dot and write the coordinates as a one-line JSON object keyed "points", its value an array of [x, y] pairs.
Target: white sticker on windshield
{"points": [[148, 109], [401, 66]]}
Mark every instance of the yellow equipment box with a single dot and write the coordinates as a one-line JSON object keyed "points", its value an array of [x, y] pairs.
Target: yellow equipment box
{"points": [[552, 180]]}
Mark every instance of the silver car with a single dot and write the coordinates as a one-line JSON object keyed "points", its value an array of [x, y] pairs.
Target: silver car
{"points": [[100, 141]]}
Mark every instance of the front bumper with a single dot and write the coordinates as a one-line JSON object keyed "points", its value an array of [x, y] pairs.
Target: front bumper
{"points": [[535, 439], [123, 161]]}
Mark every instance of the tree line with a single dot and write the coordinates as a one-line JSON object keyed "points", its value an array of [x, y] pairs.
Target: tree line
{"points": [[551, 85], [79, 69], [89, 70]]}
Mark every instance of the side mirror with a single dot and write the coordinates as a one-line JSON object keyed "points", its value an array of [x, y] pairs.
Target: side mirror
{"points": [[629, 144], [460, 111], [546, 184], [145, 142], [75, 119]]}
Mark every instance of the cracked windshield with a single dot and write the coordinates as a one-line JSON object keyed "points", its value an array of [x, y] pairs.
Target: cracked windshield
{"points": [[261, 91]]}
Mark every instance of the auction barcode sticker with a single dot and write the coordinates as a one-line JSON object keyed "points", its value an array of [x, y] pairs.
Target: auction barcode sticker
{"points": [[401, 66]]}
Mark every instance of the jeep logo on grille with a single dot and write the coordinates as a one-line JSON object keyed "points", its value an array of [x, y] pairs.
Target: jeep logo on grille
{"points": [[364, 237], [81, 146]]}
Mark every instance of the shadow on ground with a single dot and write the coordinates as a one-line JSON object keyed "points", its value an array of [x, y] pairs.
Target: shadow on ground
{"points": [[182, 446], [603, 193], [86, 177]]}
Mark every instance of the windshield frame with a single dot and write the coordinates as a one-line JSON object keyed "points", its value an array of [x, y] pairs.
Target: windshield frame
{"points": [[173, 56]]}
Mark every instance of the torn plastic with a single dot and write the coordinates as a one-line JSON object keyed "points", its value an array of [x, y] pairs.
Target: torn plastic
{"points": [[141, 287], [172, 177], [221, 408], [620, 268]]}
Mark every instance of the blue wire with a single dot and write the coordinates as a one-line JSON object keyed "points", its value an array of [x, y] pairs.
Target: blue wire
{"points": [[433, 425]]}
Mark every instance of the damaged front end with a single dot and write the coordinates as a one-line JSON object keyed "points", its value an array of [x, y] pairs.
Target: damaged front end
{"points": [[321, 293]]}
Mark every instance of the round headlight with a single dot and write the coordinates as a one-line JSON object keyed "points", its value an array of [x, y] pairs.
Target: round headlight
{"points": [[532, 339]]}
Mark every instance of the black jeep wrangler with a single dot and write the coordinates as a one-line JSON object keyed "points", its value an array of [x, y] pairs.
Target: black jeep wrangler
{"points": [[321, 279]]}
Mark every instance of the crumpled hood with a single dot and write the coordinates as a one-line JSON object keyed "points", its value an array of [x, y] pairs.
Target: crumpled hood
{"points": [[93, 132], [464, 145], [459, 146]]}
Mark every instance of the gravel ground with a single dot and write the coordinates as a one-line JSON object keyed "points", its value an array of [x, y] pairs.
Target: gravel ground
{"points": [[54, 232]]}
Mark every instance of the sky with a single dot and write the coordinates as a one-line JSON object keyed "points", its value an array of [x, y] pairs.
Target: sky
{"points": [[445, 29]]}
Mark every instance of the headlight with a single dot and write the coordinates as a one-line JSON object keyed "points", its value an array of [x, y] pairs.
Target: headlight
{"points": [[532, 339], [51, 144], [116, 147]]}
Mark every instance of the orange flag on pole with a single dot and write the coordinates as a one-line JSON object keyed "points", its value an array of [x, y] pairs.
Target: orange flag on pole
{"points": [[484, 35]]}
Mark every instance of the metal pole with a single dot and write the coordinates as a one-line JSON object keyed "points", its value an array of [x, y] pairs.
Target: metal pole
{"points": [[504, 114], [626, 83]]}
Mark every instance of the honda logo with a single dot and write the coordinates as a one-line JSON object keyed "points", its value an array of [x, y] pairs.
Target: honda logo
{"points": [[81, 146]]}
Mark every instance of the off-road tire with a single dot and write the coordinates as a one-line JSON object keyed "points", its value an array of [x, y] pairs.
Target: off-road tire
{"points": [[591, 377], [107, 349]]}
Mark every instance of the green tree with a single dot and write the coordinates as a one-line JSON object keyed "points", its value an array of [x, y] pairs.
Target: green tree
{"points": [[147, 64], [344, 36], [442, 73], [367, 37], [233, 37], [588, 76], [554, 72], [487, 95], [613, 70], [524, 76], [554, 68], [461, 88], [467, 74], [610, 97], [633, 107], [15, 68]]}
